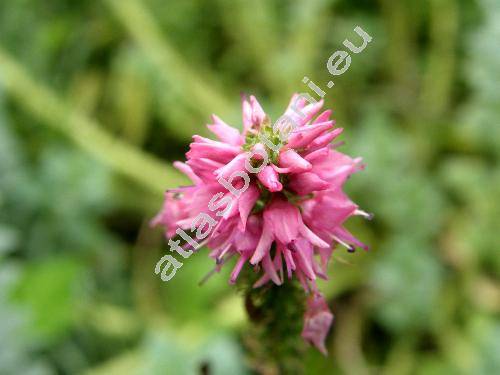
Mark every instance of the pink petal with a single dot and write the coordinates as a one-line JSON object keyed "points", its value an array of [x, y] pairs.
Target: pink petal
{"points": [[300, 112], [263, 247], [312, 237], [323, 140], [320, 153], [247, 115], [304, 135], [235, 165], [258, 114], [270, 179], [317, 322], [204, 168], [308, 182], [310, 111], [290, 264], [259, 151], [268, 266], [237, 269], [323, 117], [224, 132], [335, 167], [246, 202], [303, 255], [218, 151], [186, 169], [284, 220], [263, 280], [281, 170], [293, 161], [347, 237]]}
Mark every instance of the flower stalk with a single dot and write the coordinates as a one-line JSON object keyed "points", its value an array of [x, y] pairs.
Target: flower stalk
{"points": [[275, 314]]}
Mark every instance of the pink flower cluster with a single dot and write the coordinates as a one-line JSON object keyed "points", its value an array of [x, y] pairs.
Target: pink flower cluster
{"points": [[271, 197]]}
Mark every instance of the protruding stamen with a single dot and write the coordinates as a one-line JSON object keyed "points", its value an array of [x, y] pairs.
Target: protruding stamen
{"points": [[349, 248], [218, 260], [216, 269], [366, 215]]}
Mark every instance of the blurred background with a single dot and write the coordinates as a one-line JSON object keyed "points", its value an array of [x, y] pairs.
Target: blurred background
{"points": [[97, 98]]}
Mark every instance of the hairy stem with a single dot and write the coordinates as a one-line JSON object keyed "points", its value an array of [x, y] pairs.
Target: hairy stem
{"points": [[276, 315]]}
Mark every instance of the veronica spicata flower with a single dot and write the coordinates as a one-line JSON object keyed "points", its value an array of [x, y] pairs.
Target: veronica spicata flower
{"points": [[271, 197]]}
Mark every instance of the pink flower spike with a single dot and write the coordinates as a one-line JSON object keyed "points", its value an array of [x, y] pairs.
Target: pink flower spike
{"points": [[270, 179], [294, 162], [317, 322], [288, 214]]}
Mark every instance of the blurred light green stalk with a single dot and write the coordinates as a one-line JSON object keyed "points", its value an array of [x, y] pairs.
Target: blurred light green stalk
{"points": [[41, 101]]}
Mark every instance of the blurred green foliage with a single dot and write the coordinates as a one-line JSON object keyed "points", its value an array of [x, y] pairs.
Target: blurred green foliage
{"points": [[96, 99]]}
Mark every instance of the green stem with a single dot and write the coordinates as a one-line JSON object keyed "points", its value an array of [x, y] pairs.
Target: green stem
{"points": [[42, 102], [276, 314], [191, 83], [250, 24], [438, 78]]}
